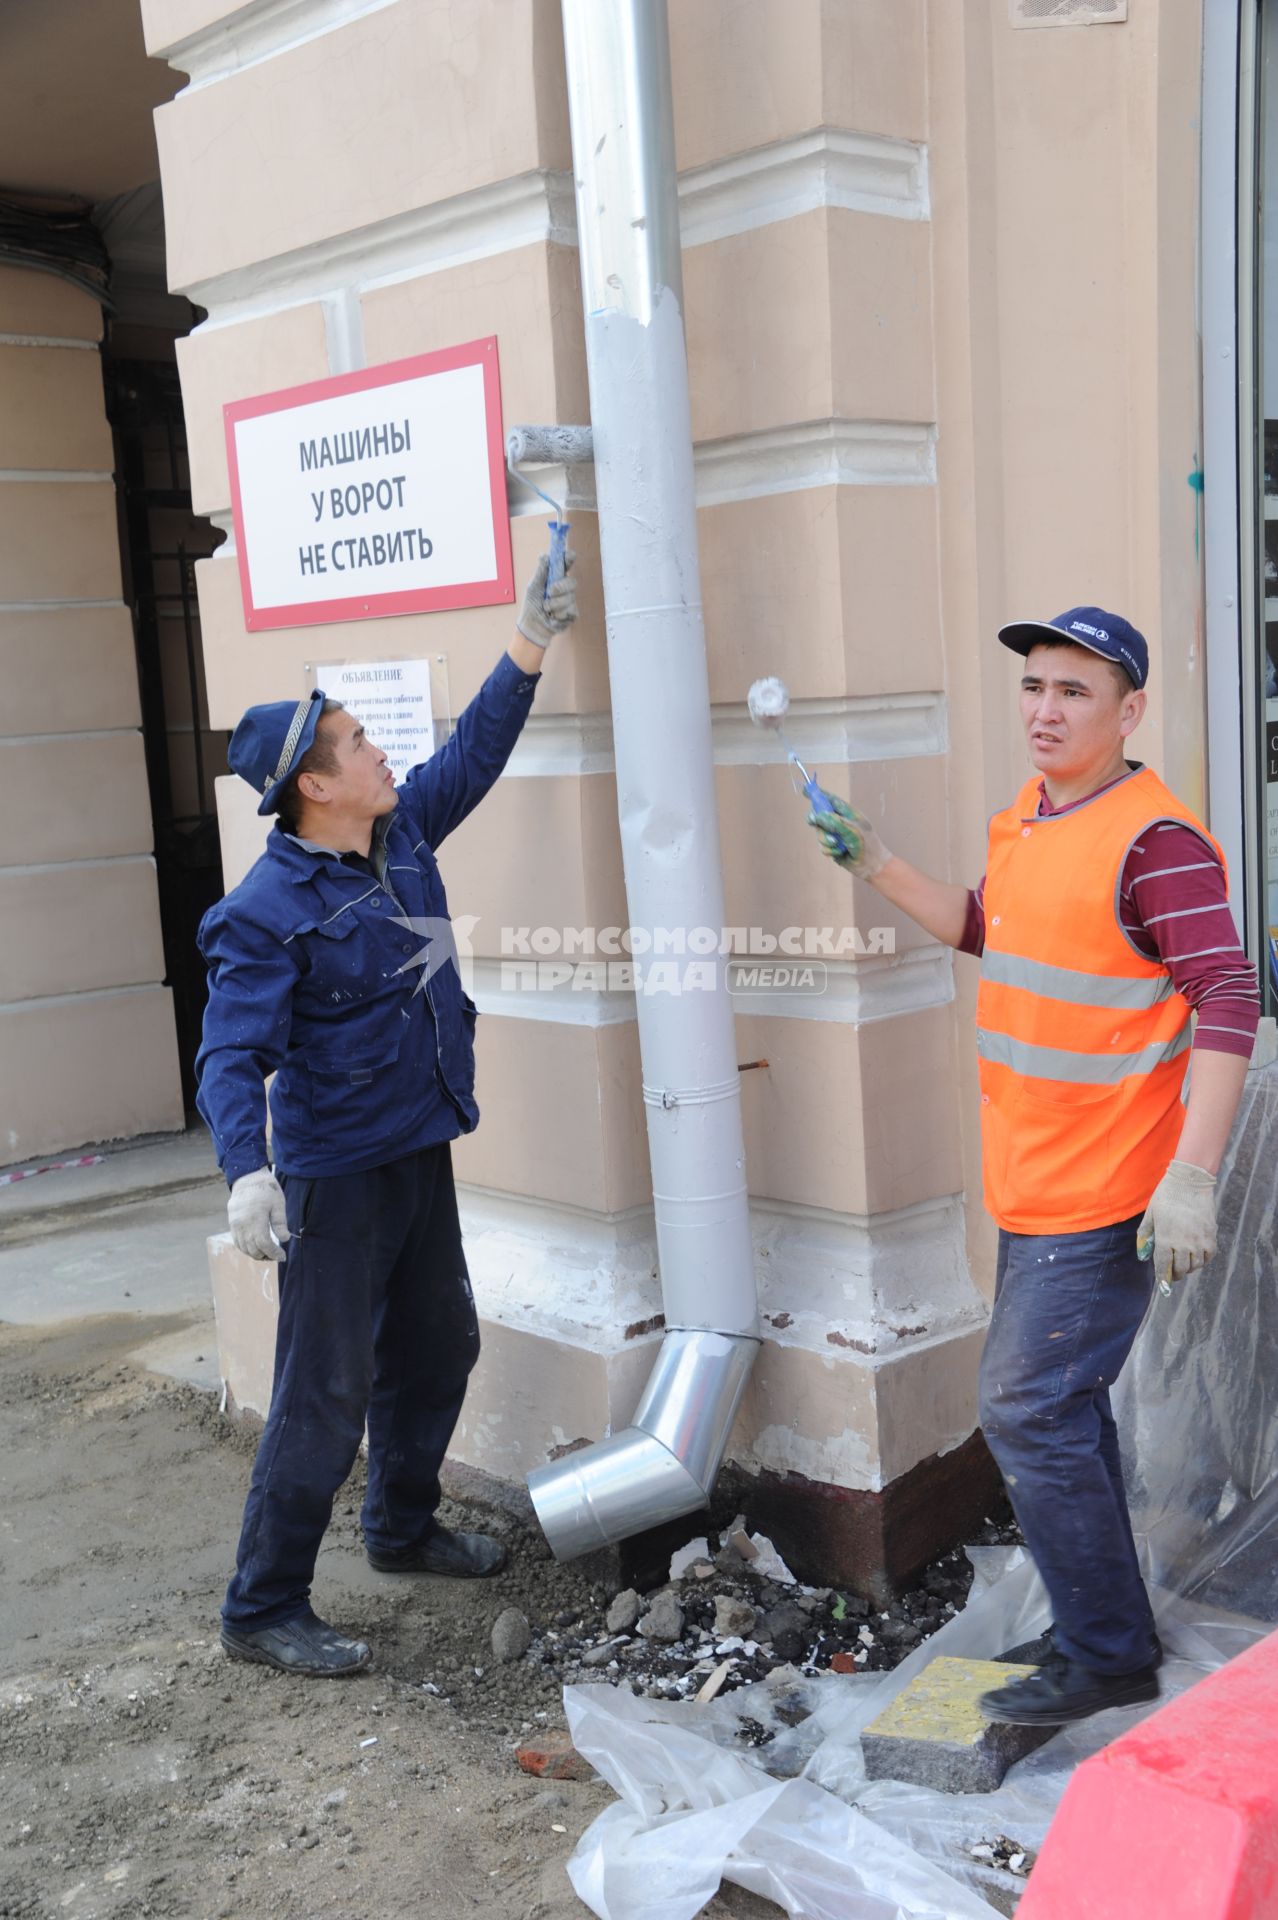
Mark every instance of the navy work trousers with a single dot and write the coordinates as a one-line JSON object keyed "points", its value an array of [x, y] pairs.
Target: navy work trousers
{"points": [[1067, 1308], [377, 1323]]}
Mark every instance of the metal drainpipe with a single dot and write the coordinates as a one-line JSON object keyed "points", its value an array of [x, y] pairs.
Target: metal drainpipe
{"points": [[665, 1463]]}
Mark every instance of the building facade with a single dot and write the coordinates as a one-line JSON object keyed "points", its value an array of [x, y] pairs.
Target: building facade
{"points": [[954, 275]]}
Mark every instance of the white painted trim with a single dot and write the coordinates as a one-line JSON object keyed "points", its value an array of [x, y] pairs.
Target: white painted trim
{"points": [[573, 486], [24, 475], [258, 31], [882, 1282], [565, 1273], [99, 860], [754, 466], [829, 167], [58, 606], [90, 993], [876, 1281], [888, 726], [857, 992], [854, 992], [816, 453], [563, 1005], [51, 739], [46, 340], [494, 219], [1223, 371], [344, 332], [553, 744], [892, 726], [788, 459]]}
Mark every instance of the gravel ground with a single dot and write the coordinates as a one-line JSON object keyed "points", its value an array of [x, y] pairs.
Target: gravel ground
{"points": [[144, 1774]]}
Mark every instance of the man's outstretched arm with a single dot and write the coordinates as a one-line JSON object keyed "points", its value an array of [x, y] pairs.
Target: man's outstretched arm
{"points": [[940, 908], [439, 794]]}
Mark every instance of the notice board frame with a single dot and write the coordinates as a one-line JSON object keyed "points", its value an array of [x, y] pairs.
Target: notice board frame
{"points": [[495, 591]]}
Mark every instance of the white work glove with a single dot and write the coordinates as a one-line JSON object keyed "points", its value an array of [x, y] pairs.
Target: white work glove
{"points": [[548, 612], [850, 840], [1179, 1227], [256, 1211]]}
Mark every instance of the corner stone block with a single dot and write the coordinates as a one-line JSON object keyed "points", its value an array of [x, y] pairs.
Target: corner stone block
{"points": [[338, 127], [218, 364], [35, 303], [934, 1734]]}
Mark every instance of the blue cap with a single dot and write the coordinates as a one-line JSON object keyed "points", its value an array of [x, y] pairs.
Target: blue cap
{"points": [[269, 741], [1108, 634]]}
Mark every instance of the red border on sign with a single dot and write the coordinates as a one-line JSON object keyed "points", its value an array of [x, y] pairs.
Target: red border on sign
{"points": [[495, 591]]}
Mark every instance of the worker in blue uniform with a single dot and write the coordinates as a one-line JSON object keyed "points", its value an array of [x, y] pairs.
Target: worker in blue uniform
{"points": [[332, 966]]}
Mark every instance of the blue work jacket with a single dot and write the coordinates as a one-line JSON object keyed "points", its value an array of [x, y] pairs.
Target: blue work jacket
{"points": [[315, 976]]}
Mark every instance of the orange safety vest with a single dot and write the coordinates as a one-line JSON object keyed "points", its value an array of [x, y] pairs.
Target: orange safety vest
{"points": [[1083, 1042]]}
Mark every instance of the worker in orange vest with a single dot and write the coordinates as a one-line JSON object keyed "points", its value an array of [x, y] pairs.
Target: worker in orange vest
{"points": [[1102, 924]]}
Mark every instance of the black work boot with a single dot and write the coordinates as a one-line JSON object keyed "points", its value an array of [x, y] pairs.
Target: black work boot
{"points": [[1062, 1691], [305, 1645], [463, 1556]]}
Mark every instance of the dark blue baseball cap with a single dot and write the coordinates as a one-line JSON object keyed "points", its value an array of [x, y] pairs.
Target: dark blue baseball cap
{"points": [[269, 741], [1108, 634]]}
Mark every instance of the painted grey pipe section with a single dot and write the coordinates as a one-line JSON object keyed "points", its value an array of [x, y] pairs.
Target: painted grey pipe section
{"points": [[664, 1465]]}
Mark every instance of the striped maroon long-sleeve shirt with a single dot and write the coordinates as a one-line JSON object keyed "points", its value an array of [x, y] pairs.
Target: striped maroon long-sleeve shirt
{"points": [[1173, 907]]}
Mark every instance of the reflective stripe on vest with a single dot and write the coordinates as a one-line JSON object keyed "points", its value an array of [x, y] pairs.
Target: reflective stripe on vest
{"points": [[1080, 1069], [1066, 983]]}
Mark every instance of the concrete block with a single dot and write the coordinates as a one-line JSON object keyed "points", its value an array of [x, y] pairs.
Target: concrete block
{"points": [[100, 806], [228, 363], [36, 303], [68, 669], [59, 540], [53, 418], [934, 1734], [87, 1066]]}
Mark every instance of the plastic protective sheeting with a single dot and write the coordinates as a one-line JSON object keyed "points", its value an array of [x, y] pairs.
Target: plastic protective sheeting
{"points": [[795, 1819], [1198, 1402], [693, 1815]]}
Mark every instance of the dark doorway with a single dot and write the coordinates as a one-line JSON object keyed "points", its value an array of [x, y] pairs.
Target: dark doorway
{"points": [[160, 541]]}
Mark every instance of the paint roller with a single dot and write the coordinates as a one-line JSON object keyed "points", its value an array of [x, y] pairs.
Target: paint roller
{"points": [[769, 702], [549, 447]]}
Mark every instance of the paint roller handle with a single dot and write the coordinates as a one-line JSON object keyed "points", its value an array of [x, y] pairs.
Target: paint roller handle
{"points": [[558, 549], [818, 798]]}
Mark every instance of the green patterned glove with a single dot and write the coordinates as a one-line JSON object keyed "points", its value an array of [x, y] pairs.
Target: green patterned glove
{"points": [[850, 841]]}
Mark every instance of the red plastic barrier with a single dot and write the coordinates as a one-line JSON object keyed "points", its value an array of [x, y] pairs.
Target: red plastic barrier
{"points": [[1178, 1819]]}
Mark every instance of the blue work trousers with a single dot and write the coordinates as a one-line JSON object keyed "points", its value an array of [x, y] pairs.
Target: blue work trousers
{"points": [[1067, 1308], [377, 1324]]}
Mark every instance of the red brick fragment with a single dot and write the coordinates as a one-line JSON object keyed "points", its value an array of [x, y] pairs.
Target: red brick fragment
{"points": [[844, 1663], [553, 1756]]}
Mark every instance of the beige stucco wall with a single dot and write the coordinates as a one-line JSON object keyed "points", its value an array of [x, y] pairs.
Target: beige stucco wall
{"points": [[87, 1045], [1064, 172], [925, 257]]}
